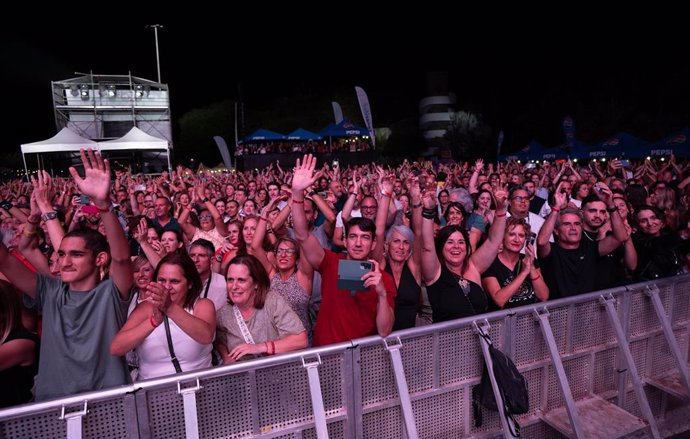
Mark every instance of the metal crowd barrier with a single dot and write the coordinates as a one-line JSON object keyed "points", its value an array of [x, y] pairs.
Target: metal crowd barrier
{"points": [[606, 364]]}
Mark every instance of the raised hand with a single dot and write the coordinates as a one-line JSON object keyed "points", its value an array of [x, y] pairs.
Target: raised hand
{"points": [[560, 198], [96, 181], [604, 193], [501, 198], [478, 165], [304, 176], [43, 190]]}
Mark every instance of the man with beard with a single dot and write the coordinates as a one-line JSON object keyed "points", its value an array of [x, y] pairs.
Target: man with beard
{"points": [[595, 227], [571, 266]]}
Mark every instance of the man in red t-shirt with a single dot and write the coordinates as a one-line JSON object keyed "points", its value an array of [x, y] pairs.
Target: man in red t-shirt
{"points": [[343, 316]]}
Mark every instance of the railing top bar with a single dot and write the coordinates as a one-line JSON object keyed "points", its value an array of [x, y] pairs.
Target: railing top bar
{"points": [[189, 377], [659, 282]]}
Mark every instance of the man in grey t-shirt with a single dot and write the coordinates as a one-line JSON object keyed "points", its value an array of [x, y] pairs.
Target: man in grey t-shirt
{"points": [[81, 313]]}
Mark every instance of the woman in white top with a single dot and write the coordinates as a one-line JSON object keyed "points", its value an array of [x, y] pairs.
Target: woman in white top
{"points": [[192, 320]]}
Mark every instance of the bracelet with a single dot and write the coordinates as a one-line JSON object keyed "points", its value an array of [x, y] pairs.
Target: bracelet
{"points": [[219, 258], [386, 194], [354, 193], [297, 201], [273, 348], [153, 321], [553, 209], [429, 213], [35, 223], [417, 205], [535, 278], [499, 215], [261, 217]]}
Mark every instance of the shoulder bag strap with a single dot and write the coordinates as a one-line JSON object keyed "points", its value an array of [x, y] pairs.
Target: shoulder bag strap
{"points": [[243, 326], [175, 362]]}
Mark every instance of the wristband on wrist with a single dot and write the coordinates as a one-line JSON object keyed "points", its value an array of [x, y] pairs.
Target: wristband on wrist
{"points": [[499, 215], [153, 321], [297, 201], [417, 205], [386, 194], [611, 209], [535, 278], [429, 213]]}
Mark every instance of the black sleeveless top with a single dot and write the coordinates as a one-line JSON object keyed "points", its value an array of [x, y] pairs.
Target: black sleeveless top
{"points": [[407, 300], [16, 382], [450, 297]]}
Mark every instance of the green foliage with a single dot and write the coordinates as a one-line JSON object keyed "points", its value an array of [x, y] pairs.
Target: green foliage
{"points": [[197, 128], [468, 136]]}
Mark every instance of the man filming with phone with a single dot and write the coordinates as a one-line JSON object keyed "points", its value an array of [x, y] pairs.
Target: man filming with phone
{"points": [[344, 314]]}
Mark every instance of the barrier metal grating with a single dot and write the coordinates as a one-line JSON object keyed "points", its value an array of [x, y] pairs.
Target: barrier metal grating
{"points": [[418, 360], [44, 425], [578, 373], [605, 370], [332, 386], [638, 349], [529, 342], [591, 327], [455, 347], [681, 303], [283, 396], [654, 397], [534, 388], [447, 407], [105, 420], [643, 318], [383, 424], [663, 359], [223, 406], [166, 413], [336, 430], [378, 383]]}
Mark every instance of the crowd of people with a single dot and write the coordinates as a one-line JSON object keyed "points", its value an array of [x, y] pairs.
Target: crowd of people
{"points": [[111, 277], [311, 146]]}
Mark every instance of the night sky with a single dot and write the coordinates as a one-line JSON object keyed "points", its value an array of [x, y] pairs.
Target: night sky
{"points": [[523, 77]]}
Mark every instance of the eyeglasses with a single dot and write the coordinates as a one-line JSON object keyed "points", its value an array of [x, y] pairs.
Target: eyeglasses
{"points": [[519, 199], [286, 251], [204, 217], [368, 207]]}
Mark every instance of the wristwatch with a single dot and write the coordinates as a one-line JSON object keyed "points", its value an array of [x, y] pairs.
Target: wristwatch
{"points": [[611, 209], [49, 216], [204, 200]]}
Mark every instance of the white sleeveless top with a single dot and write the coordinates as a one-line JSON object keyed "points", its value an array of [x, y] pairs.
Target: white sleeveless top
{"points": [[154, 356]]}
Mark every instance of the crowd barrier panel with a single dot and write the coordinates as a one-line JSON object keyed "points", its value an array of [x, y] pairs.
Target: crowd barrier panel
{"points": [[414, 383]]}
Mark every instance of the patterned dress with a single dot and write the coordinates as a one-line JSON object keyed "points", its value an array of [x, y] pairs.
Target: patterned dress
{"points": [[294, 294]]}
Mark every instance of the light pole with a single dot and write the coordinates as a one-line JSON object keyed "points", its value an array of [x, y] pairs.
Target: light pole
{"points": [[158, 61]]}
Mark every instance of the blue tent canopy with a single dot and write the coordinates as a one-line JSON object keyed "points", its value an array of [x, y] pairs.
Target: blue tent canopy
{"points": [[677, 143], [302, 134], [532, 148], [263, 134], [553, 153], [617, 145], [343, 129]]}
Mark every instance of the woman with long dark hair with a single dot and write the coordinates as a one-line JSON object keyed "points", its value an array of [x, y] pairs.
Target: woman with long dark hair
{"points": [[173, 309]]}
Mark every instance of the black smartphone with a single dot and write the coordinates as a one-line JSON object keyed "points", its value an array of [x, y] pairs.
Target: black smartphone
{"points": [[84, 200], [350, 274]]}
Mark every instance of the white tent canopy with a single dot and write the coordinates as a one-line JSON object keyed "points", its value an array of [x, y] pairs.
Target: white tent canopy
{"points": [[134, 139], [69, 141], [64, 141]]}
